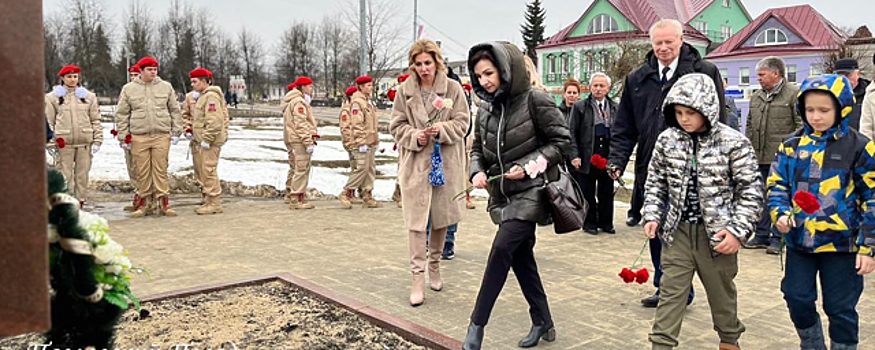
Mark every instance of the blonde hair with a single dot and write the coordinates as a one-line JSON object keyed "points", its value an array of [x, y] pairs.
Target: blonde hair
{"points": [[668, 22], [426, 46], [534, 77]]}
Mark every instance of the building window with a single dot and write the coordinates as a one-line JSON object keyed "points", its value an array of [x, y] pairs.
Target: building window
{"points": [[725, 32], [702, 27], [726, 3], [815, 69], [744, 75], [602, 24], [566, 63], [724, 73], [771, 36], [791, 73]]}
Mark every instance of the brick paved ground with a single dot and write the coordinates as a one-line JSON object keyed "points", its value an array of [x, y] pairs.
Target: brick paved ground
{"points": [[363, 254]]}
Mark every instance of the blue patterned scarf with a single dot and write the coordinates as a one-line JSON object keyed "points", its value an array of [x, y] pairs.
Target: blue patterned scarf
{"points": [[436, 175]]}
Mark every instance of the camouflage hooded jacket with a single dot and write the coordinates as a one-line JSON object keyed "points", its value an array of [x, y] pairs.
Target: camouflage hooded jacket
{"points": [[838, 167], [729, 185]]}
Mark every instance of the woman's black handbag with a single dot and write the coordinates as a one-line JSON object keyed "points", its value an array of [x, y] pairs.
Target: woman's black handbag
{"points": [[567, 205]]}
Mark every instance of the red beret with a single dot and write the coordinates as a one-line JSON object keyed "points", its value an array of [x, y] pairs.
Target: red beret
{"points": [[467, 87], [134, 69], [290, 86], [351, 90], [147, 62], [404, 77], [364, 79], [200, 73], [391, 95], [303, 80], [69, 69]]}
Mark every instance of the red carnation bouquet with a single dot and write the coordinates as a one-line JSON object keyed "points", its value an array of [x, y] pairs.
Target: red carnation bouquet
{"points": [[114, 132], [629, 275], [599, 162], [61, 142], [806, 201], [128, 139]]}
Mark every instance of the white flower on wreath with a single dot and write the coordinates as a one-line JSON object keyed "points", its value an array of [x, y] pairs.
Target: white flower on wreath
{"points": [[107, 253]]}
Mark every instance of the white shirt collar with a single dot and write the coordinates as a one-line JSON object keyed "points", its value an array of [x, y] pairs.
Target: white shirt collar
{"points": [[671, 68]]}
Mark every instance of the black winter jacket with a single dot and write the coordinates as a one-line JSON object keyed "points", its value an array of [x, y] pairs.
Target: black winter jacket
{"points": [[566, 113], [583, 129], [508, 135], [639, 118]]}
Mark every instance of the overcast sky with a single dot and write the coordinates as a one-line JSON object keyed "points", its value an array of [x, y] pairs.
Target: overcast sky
{"points": [[459, 24]]}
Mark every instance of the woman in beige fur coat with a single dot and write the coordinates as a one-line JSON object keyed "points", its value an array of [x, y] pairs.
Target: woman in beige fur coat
{"points": [[430, 116]]}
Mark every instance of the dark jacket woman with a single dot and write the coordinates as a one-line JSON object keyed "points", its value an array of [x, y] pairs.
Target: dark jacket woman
{"points": [[515, 125], [506, 136], [566, 113]]}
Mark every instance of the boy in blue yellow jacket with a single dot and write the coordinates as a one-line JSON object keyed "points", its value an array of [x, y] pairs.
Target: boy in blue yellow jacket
{"points": [[836, 165]]}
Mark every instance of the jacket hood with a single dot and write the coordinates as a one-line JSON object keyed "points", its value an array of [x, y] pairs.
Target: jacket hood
{"points": [[140, 81], [291, 95], [688, 54], [696, 91], [214, 88], [510, 64], [839, 88]]}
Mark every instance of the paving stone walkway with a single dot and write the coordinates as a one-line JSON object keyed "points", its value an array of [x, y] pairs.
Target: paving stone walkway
{"points": [[363, 254]]}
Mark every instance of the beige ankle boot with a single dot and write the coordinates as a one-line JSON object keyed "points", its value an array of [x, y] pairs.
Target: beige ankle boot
{"points": [[345, 198], [164, 206], [435, 282], [213, 205], [417, 290], [140, 210], [134, 204], [368, 200]]}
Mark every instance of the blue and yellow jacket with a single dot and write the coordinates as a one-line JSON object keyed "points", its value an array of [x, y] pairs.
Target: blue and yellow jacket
{"points": [[838, 166]]}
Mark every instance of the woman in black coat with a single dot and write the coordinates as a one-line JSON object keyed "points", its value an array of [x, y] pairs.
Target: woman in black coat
{"points": [[515, 125]]}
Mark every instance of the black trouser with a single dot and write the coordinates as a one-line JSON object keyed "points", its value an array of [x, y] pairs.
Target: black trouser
{"points": [[765, 231], [637, 201], [513, 247], [598, 190]]}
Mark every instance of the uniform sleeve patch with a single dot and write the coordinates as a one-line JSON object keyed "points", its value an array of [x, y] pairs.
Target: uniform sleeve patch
{"points": [[344, 118], [211, 106]]}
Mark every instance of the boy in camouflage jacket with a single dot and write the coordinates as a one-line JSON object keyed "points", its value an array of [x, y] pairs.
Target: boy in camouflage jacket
{"points": [[703, 196]]}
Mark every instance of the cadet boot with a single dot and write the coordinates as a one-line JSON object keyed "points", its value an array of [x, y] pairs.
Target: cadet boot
{"points": [[134, 203], [140, 210], [356, 199], [164, 207], [345, 198], [299, 201], [469, 204], [369, 201], [417, 290], [213, 205]]}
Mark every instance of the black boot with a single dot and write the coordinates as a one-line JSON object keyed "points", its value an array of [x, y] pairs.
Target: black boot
{"points": [[539, 331], [474, 338]]}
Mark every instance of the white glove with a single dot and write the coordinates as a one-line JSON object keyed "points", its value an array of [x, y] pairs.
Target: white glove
{"points": [[310, 149], [363, 149], [189, 136], [205, 145], [95, 148], [124, 145], [174, 140]]}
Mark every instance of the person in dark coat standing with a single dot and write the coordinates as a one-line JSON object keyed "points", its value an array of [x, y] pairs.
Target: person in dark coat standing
{"points": [[570, 96], [591, 129], [639, 118], [515, 125], [850, 68]]}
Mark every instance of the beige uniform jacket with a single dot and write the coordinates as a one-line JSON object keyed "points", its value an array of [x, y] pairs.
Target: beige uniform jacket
{"points": [[210, 117], [346, 126], [299, 124], [867, 118], [364, 121], [148, 109], [77, 121]]}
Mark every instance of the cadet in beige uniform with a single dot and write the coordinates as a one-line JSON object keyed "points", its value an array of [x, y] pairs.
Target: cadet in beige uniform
{"points": [[148, 110], [133, 73], [363, 142], [188, 105], [210, 132], [299, 134], [74, 116], [348, 199]]}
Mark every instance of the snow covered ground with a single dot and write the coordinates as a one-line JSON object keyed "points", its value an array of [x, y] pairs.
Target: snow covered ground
{"points": [[256, 157]]}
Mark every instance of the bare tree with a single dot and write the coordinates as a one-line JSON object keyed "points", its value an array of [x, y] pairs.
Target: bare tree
{"points": [[384, 32], [227, 61], [139, 29], [629, 55], [86, 32], [206, 43], [842, 48], [252, 59], [56, 48], [295, 54]]}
